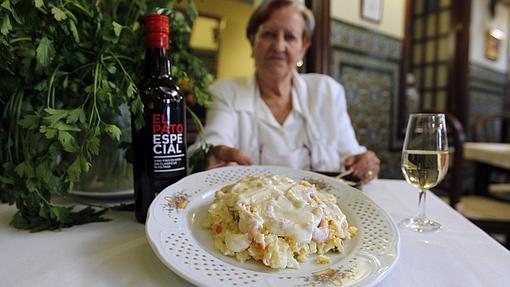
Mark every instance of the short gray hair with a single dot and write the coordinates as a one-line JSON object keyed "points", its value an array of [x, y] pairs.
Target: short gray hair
{"points": [[266, 9]]}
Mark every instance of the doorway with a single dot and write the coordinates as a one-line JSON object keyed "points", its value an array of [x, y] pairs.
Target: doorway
{"points": [[436, 47]]}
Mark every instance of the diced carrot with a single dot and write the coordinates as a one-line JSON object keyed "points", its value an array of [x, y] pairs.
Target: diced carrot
{"points": [[217, 228]]}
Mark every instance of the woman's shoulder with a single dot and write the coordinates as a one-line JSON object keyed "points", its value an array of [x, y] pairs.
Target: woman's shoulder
{"points": [[231, 84], [234, 92], [330, 89], [319, 79]]}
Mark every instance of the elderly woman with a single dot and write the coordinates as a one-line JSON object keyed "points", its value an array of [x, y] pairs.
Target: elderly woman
{"points": [[280, 117]]}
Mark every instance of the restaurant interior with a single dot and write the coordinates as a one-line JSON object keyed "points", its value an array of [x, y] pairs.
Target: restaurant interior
{"points": [[394, 58], [404, 57]]}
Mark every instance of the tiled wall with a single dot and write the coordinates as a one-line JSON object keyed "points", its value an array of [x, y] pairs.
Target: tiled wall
{"points": [[368, 65], [487, 93]]}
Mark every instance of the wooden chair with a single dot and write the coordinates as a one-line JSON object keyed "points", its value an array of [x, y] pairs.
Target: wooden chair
{"points": [[491, 215], [495, 127]]}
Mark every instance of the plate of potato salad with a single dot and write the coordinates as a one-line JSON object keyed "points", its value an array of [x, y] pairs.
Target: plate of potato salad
{"points": [[271, 226]]}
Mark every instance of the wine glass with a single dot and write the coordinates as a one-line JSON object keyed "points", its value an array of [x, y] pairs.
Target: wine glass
{"points": [[424, 162]]}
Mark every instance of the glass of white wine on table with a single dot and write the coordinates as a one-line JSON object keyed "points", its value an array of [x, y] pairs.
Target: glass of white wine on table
{"points": [[424, 163]]}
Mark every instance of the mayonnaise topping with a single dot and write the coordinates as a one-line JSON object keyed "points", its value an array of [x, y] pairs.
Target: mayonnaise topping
{"points": [[277, 221], [282, 206]]}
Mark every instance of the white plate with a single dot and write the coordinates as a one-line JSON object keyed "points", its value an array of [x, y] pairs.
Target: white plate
{"points": [[175, 233]]}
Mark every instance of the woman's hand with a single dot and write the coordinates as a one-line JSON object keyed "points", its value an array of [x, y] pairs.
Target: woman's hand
{"points": [[222, 155], [365, 166]]}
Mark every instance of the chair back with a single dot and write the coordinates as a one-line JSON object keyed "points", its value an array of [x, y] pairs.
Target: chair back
{"points": [[456, 138], [493, 127]]}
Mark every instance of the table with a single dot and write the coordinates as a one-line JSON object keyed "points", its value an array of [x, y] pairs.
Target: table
{"points": [[496, 154], [487, 156], [116, 253]]}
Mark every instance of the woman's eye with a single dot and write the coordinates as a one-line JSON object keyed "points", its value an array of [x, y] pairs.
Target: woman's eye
{"points": [[268, 34], [290, 37]]}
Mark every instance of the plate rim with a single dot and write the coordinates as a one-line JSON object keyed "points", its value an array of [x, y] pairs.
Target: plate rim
{"points": [[158, 248], [105, 194]]}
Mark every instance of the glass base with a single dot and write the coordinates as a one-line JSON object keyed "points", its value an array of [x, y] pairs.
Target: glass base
{"points": [[419, 224]]}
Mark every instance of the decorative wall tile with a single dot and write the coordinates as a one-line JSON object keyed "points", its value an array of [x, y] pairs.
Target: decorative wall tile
{"points": [[368, 66], [350, 37]]}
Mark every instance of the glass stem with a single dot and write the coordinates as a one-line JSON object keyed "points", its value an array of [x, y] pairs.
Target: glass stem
{"points": [[421, 205]]}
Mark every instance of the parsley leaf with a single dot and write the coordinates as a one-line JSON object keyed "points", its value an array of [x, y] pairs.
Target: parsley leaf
{"points": [[67, 140], [30, 122], [58, 14], [117, 28], [74, 31], [131, 90], [44, 52], [39, 3], [6, 25], [113, 131]]}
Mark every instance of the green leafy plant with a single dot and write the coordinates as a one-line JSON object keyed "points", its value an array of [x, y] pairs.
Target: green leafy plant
{"points": [[69, 71]]}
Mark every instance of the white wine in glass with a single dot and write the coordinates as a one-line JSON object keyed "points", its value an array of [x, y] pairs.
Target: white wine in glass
{"points": [[424, 162]]}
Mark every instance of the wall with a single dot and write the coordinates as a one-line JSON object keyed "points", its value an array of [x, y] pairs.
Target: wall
{"points": [[480, 20], [367, 63], [487, 84], [392, 22], [203, 34], [235, 52], [234, 57], [366, 59]]}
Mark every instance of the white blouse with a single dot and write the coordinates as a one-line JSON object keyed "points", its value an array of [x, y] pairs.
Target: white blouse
{"points": [[284, 145], [316, 135]]}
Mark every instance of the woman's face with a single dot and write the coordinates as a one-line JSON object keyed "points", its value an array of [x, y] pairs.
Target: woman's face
{"points": [[279, 43]]}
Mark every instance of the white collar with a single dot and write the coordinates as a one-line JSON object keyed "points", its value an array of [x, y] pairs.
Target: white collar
{"points": [[249, 91]]}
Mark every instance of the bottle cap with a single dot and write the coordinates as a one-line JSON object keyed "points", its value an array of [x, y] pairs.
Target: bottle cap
{"points": [[156, 31]]}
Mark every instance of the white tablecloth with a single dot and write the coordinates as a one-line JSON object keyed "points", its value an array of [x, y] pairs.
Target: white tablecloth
{"points": [[116, 253]]}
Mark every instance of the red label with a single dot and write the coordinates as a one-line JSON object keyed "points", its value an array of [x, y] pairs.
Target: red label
{"points": [[160, 125]]}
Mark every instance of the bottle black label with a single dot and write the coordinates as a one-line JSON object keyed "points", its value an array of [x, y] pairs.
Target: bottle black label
{"points": [[168, 143]]}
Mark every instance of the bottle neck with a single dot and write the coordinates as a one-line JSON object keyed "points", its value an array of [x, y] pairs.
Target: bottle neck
{"points": [[157, 63]]}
